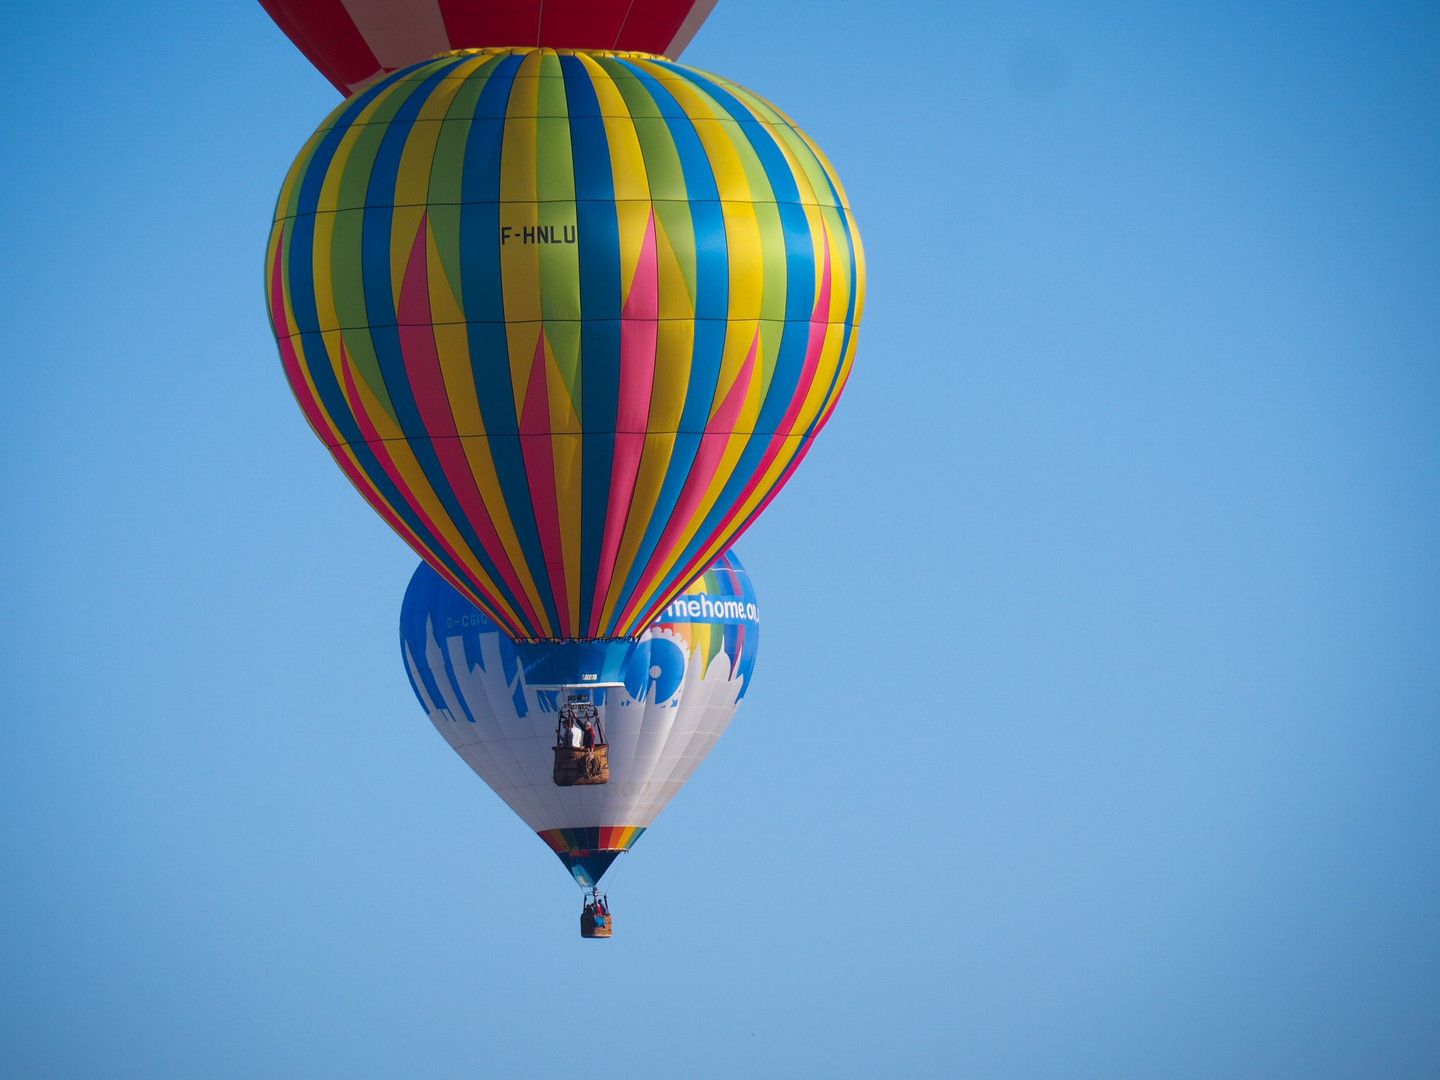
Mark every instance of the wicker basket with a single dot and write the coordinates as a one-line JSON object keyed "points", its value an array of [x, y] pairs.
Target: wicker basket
{"points": [[575, 766], [589, 927]]}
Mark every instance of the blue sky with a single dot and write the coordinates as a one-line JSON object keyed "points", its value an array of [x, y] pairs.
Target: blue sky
{"points": [[1096, 731]]}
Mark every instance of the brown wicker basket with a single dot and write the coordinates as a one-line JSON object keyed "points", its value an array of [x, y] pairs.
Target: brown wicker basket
{"points": [[575, 766], [589, 929]]}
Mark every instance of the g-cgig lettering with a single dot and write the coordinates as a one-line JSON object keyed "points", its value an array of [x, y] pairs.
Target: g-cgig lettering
{"points": [[477, 620]]}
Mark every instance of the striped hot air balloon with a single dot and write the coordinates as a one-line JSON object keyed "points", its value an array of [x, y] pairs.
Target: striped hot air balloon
{"points": [[355, 42], [567, 320]]}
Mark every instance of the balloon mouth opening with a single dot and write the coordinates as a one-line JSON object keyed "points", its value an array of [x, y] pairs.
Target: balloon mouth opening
{"points": [[553, 50], [600, 662], [353, 89], [551, 643]]}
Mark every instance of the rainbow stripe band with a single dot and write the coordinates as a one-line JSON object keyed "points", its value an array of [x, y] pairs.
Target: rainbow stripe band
{"points": [[589, 839]]}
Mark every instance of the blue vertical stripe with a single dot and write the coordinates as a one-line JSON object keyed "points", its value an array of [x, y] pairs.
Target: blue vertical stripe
{"points": [[601, 301]]}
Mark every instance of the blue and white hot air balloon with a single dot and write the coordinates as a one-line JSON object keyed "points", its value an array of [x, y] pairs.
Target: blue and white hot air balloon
{"points": [[667, 698]]}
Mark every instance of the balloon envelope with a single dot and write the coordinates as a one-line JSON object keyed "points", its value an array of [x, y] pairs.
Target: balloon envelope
{"points": [[682, 682], [354, 42], [568, 321]]}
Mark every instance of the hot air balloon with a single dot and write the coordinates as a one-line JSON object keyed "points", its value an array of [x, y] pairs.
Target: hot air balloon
{"points": [[679, 685], [355, 42], [568, 321]]}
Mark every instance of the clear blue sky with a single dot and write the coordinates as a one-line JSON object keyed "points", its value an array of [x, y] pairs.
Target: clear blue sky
{"points": [[1096, 731]]}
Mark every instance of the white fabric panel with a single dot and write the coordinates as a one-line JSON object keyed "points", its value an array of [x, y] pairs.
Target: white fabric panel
{"points": [[686, 34], [400, 34], [654, 746]]}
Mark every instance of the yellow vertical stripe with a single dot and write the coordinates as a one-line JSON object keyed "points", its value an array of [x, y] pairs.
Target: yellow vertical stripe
{"points": [[566, 445]]}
